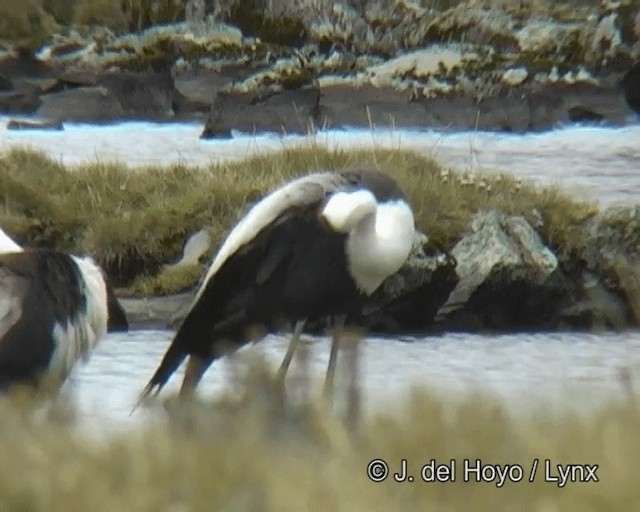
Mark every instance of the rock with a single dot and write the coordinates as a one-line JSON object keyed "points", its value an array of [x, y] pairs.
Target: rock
{"points": [[613, 254], [576, 103], [505, 277], [342, 105], [580, 114], [423, 62], [288, 111], [91, 97], [506, 112], [198, 88], [5, 83], [19, 101], [368, 106], [17, 67], [17, 124], [451, 111], [87, 104], [147, 95], [202, 85], [408, 300], [515, 76], [464, 67], [631, 85], [42, 85], [155, 312], [596, 306], [197, 246], [216, 127], [75, 78], [501, 277]]}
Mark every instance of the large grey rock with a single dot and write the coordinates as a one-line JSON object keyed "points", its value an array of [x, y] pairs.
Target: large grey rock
{"points": [[20, 124], [613, 253], [89, 104], [517, 109], [408, 299], [288, 111], [631, 85], [19, 101], [557, 104], [509, 112], [496, 251], [595, 306], [148, 94], [155, 312], [110, 96], [201, 86], [368, 106], [5, 83], [197, 246]]}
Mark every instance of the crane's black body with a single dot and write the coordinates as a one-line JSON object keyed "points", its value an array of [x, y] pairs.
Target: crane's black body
{"points": [[294, 268]]}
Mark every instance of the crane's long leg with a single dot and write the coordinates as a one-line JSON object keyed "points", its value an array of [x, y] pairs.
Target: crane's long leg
{"points": [[293, 344], [333, 356], [196, 367]]}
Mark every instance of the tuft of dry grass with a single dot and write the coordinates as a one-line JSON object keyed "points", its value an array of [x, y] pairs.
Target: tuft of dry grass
{"points": [[25, 24], [135, 219], [29, 23], [251, 452]]}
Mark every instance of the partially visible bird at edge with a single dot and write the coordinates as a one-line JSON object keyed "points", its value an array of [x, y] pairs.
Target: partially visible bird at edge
{"points": [[54, 309]]}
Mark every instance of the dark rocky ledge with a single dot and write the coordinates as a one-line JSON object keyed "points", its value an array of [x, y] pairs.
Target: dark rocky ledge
{"points": [[516, 109], [463, 67]]}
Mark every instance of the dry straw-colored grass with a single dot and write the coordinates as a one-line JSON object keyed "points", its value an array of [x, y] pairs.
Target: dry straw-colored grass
{"points": [[256, 454], [134, 220]]}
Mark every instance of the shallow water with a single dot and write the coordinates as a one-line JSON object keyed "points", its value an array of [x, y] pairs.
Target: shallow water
{"points": [[553, 371], [596, 163]]}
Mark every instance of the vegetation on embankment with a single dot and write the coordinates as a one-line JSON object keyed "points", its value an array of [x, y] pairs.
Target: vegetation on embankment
{"points": [[134, 220], [249, 453], [461, 64]]}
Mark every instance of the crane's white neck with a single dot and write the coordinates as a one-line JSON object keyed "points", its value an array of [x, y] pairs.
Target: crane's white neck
{"points": [[345, 210], [380, 244], [379, 236]]}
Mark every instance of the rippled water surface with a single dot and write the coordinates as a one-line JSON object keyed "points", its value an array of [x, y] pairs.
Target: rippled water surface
{"points": [[527, 372]]}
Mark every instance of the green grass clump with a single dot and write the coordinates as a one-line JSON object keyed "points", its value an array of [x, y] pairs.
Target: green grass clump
{"points": [[26, 25], [252, 453], [133, 220]]}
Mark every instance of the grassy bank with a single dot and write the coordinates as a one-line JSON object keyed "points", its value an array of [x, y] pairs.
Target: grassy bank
{"points": [[135, 220], [252, 456]]}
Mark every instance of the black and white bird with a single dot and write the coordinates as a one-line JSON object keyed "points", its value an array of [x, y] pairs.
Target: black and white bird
{"points": [[317, 247], [54, 308]]}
